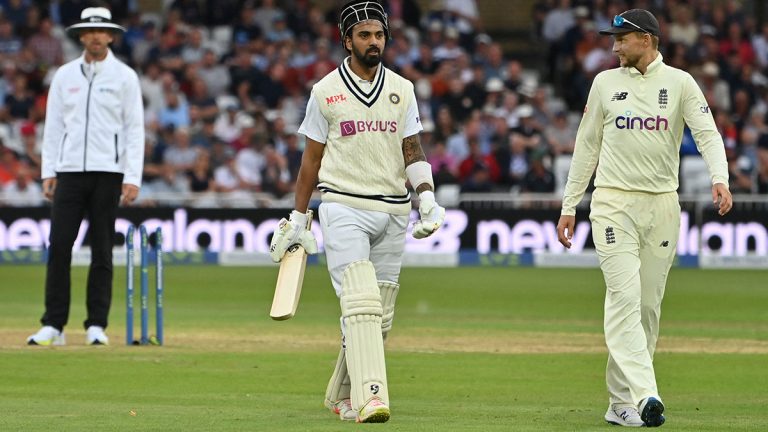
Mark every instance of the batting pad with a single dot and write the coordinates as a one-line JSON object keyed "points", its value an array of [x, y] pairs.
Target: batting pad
{"points": [[338, 386], [388, 296], [361, 312]]}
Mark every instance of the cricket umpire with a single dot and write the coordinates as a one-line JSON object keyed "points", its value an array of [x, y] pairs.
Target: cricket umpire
{"points": [[631, 131], [362, 125], [93, 151]]}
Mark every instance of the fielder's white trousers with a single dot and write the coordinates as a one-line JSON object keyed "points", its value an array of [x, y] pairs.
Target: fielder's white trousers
{"points": [[635, 235], [352, 235]]}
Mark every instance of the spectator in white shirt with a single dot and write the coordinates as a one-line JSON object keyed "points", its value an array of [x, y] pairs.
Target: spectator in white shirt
{"points": [[23, 191]]}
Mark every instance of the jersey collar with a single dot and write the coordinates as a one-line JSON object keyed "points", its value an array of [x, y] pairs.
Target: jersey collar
{"points": [[653, 67], [351, 80]]}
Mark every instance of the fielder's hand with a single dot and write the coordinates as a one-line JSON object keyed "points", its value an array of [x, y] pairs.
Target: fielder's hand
{"points": [[565, 227], [431, 216], [290, 232], [721, 198]]}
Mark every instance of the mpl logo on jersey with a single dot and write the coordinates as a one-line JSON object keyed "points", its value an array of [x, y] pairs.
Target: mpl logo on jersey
{"points": [[628, 121], [335, 99], [353, 127]]}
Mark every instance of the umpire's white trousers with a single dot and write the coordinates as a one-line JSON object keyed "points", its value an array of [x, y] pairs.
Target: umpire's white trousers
{"points": [[635, 235]]}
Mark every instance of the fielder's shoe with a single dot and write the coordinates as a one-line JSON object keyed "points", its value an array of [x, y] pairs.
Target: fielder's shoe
{"points": [[343, 408], [626, 415], [375, 411], [47, 336], [652, 412], [94, 335]]}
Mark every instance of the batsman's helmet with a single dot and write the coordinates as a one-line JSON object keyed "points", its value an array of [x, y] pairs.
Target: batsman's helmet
{"points": [[358, 11]]}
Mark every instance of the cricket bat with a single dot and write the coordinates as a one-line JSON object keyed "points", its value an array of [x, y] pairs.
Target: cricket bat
{"points": [[289, 280]]}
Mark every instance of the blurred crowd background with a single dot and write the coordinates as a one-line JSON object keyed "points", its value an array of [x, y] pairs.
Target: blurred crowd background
{"points": [[225, 85]]}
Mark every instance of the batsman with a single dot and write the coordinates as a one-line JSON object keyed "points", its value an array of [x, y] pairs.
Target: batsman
{"points": [[362, 145]]}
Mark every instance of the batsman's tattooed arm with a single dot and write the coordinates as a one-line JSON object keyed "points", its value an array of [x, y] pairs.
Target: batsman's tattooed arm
{"points": [[412, 152]]}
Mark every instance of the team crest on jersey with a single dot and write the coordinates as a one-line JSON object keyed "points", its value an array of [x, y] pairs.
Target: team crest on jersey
{"points": [[394, 98], [663, 98]]}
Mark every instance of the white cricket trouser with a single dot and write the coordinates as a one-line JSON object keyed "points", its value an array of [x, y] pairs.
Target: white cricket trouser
{"points": [[635, 234], [352, 235]]}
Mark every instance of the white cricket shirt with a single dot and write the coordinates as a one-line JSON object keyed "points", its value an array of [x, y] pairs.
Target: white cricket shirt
{"points": [[362, 125], [633, 125]]}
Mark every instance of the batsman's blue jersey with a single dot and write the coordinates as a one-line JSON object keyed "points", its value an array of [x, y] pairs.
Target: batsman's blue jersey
{"points": [[633, 124]]}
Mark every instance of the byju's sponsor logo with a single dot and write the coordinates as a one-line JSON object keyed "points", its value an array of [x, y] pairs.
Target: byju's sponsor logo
{"points": [[628, 121], [348, 128], [353, 127]]}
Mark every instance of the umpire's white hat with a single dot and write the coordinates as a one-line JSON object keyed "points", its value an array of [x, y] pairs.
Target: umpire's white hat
{"points": [[94, 17]]}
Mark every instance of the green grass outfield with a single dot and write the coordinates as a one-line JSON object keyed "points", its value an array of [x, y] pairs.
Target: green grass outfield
{"points": [[473, 349]]}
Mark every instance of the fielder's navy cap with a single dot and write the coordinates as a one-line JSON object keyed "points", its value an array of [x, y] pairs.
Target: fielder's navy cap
{"points": [[633, 20]]}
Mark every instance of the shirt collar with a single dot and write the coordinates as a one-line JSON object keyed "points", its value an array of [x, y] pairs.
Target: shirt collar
{"points": [[653, 67], [345, 65], [106, 60]]}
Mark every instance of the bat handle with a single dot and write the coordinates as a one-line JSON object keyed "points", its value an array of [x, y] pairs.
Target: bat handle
{"points": [[309, 219]]}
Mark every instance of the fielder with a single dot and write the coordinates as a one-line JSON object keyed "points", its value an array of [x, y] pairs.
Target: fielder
{"points": [[631, 130], [362, 126]]}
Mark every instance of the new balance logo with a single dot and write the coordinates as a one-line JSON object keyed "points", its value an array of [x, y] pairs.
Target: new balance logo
{"points": [[610, 237], [619, 96], [664, 243]]}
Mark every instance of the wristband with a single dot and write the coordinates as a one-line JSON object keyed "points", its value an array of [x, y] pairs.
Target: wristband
{"points": [[419, 173]]}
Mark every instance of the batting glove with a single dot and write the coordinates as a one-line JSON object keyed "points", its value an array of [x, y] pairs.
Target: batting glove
{"points": [[431, 216], [290, 232]]}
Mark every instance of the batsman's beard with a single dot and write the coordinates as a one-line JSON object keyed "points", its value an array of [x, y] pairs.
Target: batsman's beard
{"points": [[371, 58]]}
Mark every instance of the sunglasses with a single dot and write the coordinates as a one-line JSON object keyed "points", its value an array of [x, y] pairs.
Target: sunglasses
{"points": [[618, 21]]}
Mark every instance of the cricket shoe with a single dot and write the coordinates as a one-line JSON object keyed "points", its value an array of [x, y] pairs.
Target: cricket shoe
{"points": [[624, 416], [343, 408], [652, 412], [47, 336], [94, 335], [375, 411]]}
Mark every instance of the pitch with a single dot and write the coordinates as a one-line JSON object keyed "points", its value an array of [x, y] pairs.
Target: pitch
{"points": [[472, 349]]}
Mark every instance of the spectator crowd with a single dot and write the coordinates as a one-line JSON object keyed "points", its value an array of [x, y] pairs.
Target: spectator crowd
{"points": [[225, 85]]}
